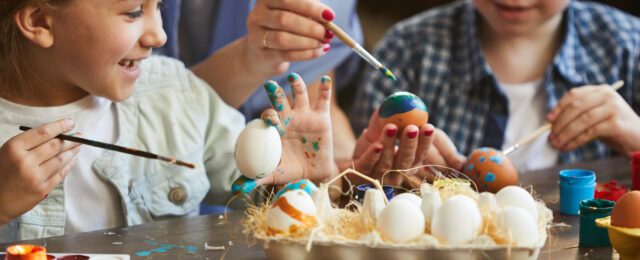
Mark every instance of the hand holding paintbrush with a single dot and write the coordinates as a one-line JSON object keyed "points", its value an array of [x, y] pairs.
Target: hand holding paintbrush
{"points": [[358, 49], [543, 129]]}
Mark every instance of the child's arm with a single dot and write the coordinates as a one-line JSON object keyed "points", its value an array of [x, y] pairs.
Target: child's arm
{"points": [[590, 112], [307, 143], [32, 164]]}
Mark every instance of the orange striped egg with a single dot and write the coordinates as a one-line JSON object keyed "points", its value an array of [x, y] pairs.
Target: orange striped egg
{"points": [[291, 213]]}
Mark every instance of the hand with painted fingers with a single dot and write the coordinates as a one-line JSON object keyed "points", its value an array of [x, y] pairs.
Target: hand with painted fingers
{"points": [[443, 152], [594, 112], [376, 152], [33, 163], [307, 143], [281, 31]]}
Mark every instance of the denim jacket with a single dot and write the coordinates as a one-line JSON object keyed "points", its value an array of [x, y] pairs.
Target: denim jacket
{"points": [[172, 112]]}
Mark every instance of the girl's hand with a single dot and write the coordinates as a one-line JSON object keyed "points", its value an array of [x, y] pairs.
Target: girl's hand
{"points": [[307, 143], [32, 164], [591, 112], [280, 31], [376, 151]]}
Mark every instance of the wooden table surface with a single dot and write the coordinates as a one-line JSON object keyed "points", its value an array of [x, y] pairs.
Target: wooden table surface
{"points": [[185, 238]]}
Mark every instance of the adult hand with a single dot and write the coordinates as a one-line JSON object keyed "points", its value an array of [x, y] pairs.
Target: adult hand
{"points": [[307, 143], [33, 163], [591, 112], [280, 31], [376, 152]]}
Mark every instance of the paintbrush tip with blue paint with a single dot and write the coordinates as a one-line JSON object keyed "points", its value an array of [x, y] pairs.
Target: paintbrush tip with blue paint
{"points": [[388, 73]]}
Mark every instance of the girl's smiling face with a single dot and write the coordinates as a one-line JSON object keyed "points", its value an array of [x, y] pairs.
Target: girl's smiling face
{"points": [[97, 46]]}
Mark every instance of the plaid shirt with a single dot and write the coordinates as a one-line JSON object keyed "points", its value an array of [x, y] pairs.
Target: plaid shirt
{"points": [[437, 56]]}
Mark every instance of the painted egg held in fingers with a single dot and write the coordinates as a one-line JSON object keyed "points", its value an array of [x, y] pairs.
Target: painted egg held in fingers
{"points": [[490, 170], [403, 109]]}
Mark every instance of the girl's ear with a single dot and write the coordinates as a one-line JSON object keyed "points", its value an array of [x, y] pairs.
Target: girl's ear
{"points": [[35, 24]]}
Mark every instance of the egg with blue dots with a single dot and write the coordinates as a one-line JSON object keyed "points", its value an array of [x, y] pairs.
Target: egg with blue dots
{"points": [[490, 170], [258, 149], [403, 109]]}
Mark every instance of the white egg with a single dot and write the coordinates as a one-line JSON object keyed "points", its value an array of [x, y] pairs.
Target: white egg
{"points": [[400, 221], [517, 226], [430, 203], [293, 210], [516, 196], [487, 201], [457, 221], [373, 203], [258, 149], [409, 197]]}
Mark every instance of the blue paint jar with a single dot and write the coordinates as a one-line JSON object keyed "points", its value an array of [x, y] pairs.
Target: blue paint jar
{"points": [[590, 210], [358, 195], [576, 185]]}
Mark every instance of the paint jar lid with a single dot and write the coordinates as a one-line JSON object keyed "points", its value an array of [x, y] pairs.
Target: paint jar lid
{"points": [[362, 188], [577, 177], [598, 206], [610, 191]]}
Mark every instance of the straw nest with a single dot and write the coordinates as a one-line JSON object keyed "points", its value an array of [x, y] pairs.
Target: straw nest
{"points": [[351, 226]]}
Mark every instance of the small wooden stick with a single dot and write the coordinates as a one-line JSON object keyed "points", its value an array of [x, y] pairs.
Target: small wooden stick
{"points": [[533, 135], [375, 182]]}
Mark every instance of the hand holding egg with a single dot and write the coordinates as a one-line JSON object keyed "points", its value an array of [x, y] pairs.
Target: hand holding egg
{"points": [[402, 116], [305, 133]]}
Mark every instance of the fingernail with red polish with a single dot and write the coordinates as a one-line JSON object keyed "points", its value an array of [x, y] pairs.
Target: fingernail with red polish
{"points": [[328, 15], [391, 132], [412, 134], [328, 34], [377, 150], [428, 132], [326, 48]]}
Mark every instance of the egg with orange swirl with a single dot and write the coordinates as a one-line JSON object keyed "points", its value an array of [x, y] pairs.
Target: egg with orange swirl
{"points": [[293, 212], [490, 170], [26, 252], [403, 109]]}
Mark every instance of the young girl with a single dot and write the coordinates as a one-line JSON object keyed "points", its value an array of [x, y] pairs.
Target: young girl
{"points": [[70, 66], [493, 71]]}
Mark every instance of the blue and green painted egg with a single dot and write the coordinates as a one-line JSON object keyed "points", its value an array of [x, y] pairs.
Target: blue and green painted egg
{"points": [[403, 109]]}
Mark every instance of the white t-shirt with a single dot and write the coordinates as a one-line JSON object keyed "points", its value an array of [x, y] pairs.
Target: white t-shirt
{"points": [[527, 112], [90, 202]]}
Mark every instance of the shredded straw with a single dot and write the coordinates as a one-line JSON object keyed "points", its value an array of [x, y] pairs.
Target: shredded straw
{"points": [[351, 225]]}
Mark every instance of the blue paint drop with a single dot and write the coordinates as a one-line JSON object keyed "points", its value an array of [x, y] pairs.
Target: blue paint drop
{"points": [[481, 159], [470, 167], [489, 177], [163, 248], [496, 159]]}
